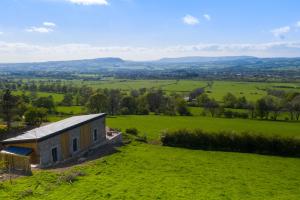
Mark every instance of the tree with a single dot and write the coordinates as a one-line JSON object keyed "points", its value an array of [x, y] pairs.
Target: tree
{"points": [[8, 107], [212, 106], [35, 116], [229, 100], [114, 99], [155, 99], [97, 103], [202, 99], [182, 108], [45, 102], [241, 103], [67, 100], [261, 108], [296, 106], [129, 105], [168, 106], [142, 105], [251, 107], [195, 93]]}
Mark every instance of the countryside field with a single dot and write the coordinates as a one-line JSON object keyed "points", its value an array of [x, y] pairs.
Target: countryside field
{"points": [[251, 90], [142, 171], [153, 125]]}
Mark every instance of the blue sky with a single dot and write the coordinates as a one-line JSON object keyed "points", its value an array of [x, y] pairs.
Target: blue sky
{"points": [[41, 30]]}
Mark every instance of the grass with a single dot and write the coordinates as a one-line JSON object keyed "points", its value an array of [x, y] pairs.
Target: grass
{"points": [[70, 109], [143, 171], [56, 97], [153, 125]]}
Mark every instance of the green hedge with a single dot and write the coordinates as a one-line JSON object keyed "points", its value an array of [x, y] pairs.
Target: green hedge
{"points": [[227, 141]]}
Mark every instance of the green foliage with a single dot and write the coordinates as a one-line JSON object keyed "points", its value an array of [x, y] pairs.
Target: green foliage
{"points": [[35, 116], [97, 103], [132, 131], [228, 141], [45, 102]]}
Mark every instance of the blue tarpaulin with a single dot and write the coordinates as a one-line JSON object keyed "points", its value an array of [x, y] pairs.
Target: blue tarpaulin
{"points": [[18, 150]]}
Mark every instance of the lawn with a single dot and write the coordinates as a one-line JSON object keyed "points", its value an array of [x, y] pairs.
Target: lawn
{"points": [[153, 125], [143, 171]]}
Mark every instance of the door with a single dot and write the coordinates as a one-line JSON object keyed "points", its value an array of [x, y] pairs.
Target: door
{"points": [[54, 154]]}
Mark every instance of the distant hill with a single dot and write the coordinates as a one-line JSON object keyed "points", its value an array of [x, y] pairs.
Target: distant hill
{"points": [[110, 64], [200, 59]]}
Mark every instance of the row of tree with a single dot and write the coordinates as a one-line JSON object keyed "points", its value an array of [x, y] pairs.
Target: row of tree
{"points": [[268, 107]]}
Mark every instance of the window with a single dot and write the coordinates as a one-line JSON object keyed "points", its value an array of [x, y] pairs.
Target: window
{"points": [[54, 154], [95, 134], [75, 144]]}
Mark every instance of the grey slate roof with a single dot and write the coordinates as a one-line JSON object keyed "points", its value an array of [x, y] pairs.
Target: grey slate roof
{"points": [[53, 128]]}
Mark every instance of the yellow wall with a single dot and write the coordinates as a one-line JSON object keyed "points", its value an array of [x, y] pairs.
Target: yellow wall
{"points": [[85, 136], [65, 145]]}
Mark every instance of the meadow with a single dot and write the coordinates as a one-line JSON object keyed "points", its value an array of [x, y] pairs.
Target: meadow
{"points": [[143, 171], [153, 125]]}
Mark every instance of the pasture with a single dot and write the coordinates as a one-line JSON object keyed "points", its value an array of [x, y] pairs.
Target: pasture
{"points": [[143, 171], [153, 125]]}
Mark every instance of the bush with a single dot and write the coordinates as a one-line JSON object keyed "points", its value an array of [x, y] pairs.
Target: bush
{"points": [[228, 141], [132, 131]]}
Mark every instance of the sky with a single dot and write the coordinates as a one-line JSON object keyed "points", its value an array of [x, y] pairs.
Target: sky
{"points": [[44, 30]]}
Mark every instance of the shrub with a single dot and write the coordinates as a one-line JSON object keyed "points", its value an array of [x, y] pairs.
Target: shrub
{"points": [[229, 141], [132, 131]]}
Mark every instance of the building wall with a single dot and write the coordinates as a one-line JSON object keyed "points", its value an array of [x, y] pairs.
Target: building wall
{"points": [[84, 135], [34, 157]]}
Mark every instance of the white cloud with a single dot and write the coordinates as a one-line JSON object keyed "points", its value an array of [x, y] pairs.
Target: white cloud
{"points": [[281, 32], [89, 2], [1, 33], [39, 29], [190, 20], [22, 52], [49, 24], [298, 24], [47, 27], [207, 17]]}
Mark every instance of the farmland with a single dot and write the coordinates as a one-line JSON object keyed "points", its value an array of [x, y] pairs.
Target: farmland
{"points": [[251, 90], [153, 125], [151, 171], [142, 171]]}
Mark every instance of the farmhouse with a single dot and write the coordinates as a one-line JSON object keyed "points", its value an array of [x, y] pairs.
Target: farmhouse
{"points": [[56, 142]]}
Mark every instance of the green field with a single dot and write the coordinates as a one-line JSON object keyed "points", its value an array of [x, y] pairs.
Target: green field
{"points": [[56, 97], [153, 125], [142, 171], [70, 109], [251, 90]]}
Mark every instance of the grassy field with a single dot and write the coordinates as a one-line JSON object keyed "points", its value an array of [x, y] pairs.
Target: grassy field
{"points": [[251, 90], [142, 171], [70, 109], [56, 97], [153, 125]]}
